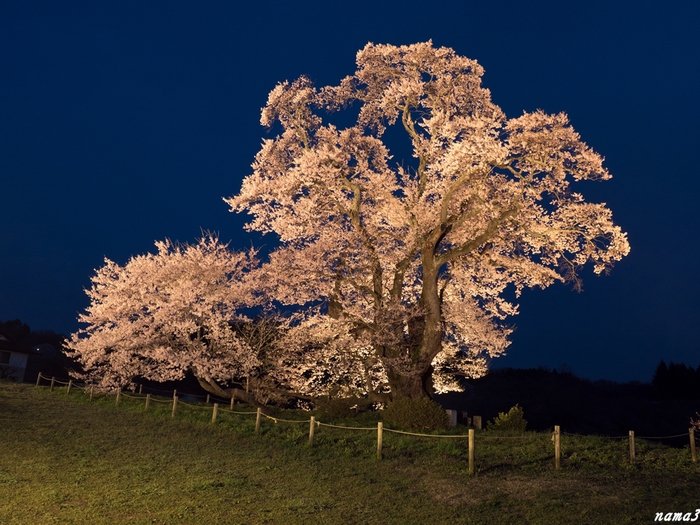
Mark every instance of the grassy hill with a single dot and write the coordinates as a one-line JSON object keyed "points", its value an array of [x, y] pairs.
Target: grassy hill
{"points": [[65, 460]]}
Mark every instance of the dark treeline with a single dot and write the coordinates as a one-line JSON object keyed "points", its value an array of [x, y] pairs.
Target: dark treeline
{"points": [[549, 397], [676, 381]]}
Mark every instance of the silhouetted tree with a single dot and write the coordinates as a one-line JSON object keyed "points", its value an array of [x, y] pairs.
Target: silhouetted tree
{"points": [[660, 378], [676, 381], [15, 330]]}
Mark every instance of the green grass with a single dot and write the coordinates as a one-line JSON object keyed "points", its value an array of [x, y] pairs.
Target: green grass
{"points": [[65, 460]]}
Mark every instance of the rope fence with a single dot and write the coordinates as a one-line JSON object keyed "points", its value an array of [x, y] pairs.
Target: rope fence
{"points": [[625, 437], [314, 424], [318, 423]]}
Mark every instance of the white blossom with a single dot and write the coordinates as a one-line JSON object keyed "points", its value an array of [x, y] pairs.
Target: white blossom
{"points": [[164, 314], [411, 259]]}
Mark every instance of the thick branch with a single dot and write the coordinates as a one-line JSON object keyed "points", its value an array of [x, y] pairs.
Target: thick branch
{"points": [[248, 397], [367, 242], [478, 241], [449, 193], [399, 274], [411, 130]]}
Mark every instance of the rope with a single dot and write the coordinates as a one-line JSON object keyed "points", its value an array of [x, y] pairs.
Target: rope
{"points": [[627, 436], [162, 400], [425, 435], [193, 405], [234, 412], [318, 423], [276, 419], [601, 437], [134, 397], [662, 437], [453, 436], [504, 437]]}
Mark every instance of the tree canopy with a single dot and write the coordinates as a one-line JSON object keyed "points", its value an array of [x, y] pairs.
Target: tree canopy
{"points": [[411, 260], [398, 275], [165, 314]]}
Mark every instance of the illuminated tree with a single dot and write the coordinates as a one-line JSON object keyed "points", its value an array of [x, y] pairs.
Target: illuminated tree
{"points": [[412, 260], [162, 315]]}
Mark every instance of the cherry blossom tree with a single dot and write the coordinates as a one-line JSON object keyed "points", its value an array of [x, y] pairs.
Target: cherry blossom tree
{"points": [[322, 356], [162, 315], [412, 262]]}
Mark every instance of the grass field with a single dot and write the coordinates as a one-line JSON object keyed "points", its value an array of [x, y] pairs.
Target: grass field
{"points": [[66, 460]]}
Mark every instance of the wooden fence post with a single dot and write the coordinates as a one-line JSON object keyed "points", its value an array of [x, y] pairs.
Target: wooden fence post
{"points": [[312, 428], [148, 400], [53, 381], [174, 394], [233, 399], [557, 447], [140, 389], [70, 384], [257, 421], [38, 378], [119, 395], [691, 431], [214, 412], [477, 422], [632, 455], [92, 392], [380, 439], [207, 399], [471, 451], [174, 406]]}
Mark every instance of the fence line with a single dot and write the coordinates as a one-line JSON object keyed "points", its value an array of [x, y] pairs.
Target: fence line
{"points": [[318, 423], [458, 436], [134, 397], [234, 412], [160, 400], [313, 424], [625, 437], [602, 437], [192, 404], [663, 437], [276, 419]]}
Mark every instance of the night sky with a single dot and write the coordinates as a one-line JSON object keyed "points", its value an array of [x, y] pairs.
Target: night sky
{"points": [[126, 122]]}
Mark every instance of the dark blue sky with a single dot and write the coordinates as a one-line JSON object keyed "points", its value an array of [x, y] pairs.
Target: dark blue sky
{"points": [[126, 122]]}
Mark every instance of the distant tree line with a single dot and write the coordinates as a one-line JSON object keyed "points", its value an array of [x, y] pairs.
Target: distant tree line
{"points": [[676, 381], [552, 397]]}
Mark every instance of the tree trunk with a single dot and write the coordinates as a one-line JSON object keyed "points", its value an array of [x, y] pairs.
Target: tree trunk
{"points": [[227, 393], [412, 384], [417, 381], [243, 395]]}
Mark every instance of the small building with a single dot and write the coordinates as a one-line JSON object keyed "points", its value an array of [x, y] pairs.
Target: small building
{"points": [[13, 359]]}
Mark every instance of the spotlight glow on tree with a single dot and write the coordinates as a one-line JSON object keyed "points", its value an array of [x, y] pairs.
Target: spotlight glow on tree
{"points": [[162, 315], [412, 258]]}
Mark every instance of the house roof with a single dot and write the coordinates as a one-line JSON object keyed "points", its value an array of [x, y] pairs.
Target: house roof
{"points": [[10, 346]]}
